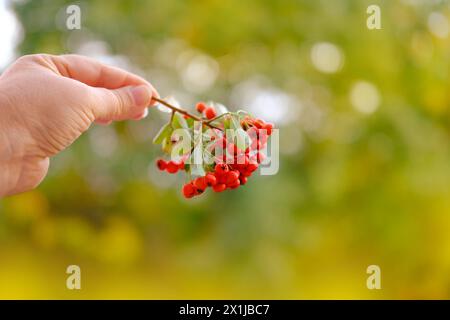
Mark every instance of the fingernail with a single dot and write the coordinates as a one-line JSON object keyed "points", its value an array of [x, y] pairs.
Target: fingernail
{"points": [[141, 95]]}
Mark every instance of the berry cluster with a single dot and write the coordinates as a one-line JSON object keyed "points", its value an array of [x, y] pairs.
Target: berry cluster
{"points": [[231, 165], [223, 177], [170, 166], [226, 175]]}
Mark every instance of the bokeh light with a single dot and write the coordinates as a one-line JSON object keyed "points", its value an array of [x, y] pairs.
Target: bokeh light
{"points": [[364, 97], [326, 57]]}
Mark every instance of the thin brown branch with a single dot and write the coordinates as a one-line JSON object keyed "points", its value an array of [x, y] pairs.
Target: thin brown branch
{"points": [[184, 112], [218, 117]]}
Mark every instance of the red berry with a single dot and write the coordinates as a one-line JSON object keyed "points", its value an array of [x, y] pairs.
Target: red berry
{"points": [[221, 177], [200, 107], [231, 177], [200, 183], [246, 173], [235, 184], [188, 190], [210, 179], [181, 165], [252, 166], [172, 167], [259, 123], [210, 113], [219, 187], [242, 179], [221, 168], [161, 164], [269, 128]]}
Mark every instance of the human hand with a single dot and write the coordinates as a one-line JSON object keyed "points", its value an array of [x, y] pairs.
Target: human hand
{"points": [[47, 102]]}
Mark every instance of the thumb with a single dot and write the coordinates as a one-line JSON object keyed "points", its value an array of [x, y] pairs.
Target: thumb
{"points": [[120, 104]]}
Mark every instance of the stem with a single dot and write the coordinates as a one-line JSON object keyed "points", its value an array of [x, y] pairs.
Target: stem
{"points": [[184, 112], [218, 117]]}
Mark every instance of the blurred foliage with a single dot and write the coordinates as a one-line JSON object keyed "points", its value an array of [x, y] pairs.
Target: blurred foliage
{"points": [[353, 189]]}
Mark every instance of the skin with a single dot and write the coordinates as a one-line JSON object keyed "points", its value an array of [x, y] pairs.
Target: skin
{"points": [[47, 102]]}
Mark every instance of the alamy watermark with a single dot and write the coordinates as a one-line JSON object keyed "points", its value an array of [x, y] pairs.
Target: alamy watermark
{"points": [[73, 21], [374, 19], [374, 280], [73, 281]]}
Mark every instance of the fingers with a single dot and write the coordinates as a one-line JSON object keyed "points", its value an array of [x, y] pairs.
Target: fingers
{"points": [[119, 95], [119, 104]]}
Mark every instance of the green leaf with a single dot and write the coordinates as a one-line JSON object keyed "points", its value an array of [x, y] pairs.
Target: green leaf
{"points": [[190, 122], [179, 122], [227, 122], [167, 145], [164, 132]]}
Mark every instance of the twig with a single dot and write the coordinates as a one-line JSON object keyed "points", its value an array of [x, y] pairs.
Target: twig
{"points": [[184, 112], [218, 117]]}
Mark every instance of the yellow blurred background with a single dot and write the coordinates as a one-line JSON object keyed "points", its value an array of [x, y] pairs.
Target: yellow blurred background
{"points": [[365, 154]]}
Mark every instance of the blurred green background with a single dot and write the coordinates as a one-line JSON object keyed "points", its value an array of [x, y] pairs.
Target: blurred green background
{"points": [[365, 155]]}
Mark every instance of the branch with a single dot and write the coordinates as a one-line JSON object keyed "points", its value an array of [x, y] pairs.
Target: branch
{"points": [[184, 112]]}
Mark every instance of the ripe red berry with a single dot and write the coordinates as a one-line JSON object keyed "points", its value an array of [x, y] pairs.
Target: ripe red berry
{"points": [[210, 113], [231, 177], [235, 184], [200, 107], [242, 179], [246, 173], [161, 164], [210, 179], [172, 167], [252, 166], [269, 128], [221, 177], [181, 165], [259, 123], [200, 183], [188, 190], [221, 168], [219, 187]]}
